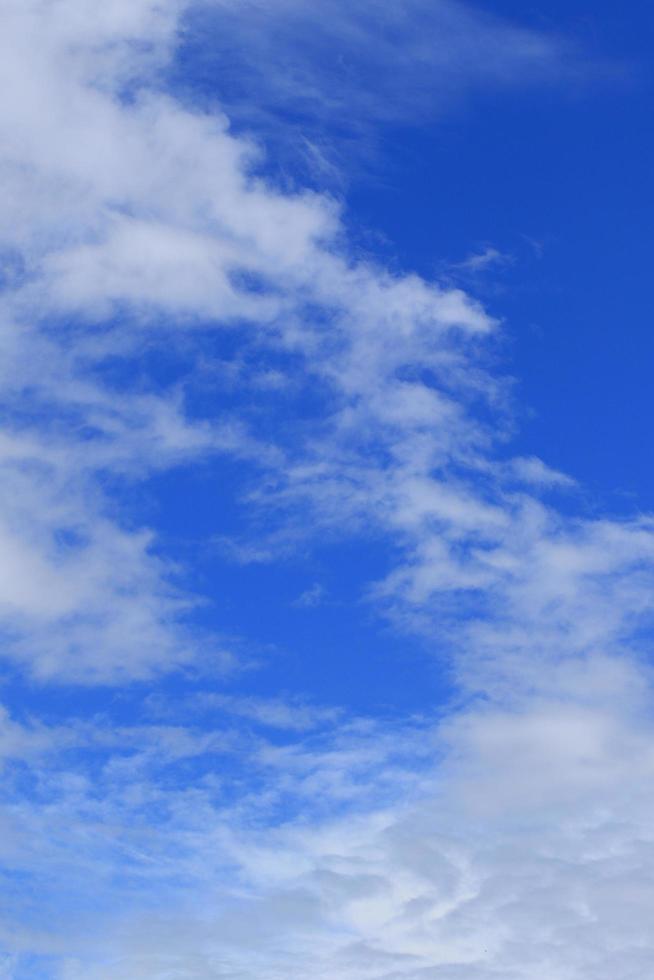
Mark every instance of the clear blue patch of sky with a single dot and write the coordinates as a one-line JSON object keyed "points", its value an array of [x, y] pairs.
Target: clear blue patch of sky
{"points": [[562, 183]]}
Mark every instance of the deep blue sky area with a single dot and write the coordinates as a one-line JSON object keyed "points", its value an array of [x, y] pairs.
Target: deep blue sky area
{"points": [[560, 180], [556, 176]]}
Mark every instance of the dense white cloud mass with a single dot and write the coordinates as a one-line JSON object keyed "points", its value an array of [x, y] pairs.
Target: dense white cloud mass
{"points": [[509, 838], [541, 867]]}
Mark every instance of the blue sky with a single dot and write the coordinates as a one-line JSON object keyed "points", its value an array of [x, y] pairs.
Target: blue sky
{"points": [[325, 512]]}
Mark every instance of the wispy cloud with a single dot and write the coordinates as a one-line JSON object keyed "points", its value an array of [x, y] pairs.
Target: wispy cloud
{"points": [[482, 260], [352, 65]]}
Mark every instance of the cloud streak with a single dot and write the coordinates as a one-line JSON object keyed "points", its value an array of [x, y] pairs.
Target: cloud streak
{"points": [[353, 67]]}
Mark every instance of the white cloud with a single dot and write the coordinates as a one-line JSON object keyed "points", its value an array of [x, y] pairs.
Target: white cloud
{"points": [[534, 471], [526, 851]]}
